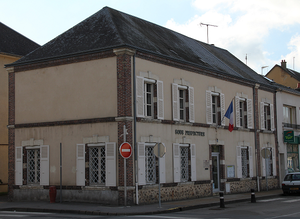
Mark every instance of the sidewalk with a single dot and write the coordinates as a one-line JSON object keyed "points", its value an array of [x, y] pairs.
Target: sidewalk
{"points": [[96, 209]]}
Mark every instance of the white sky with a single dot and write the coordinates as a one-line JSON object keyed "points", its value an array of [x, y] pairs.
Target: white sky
{"points": [[268, 31]]}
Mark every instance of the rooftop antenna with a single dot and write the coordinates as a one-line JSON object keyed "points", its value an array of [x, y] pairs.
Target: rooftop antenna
{"points": [[262, 68], [246, 58], [207, 28]]}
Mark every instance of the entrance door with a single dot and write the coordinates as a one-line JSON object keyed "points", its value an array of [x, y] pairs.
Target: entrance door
{"points": [[215, 171]]}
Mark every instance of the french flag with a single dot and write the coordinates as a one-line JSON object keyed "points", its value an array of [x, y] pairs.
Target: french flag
{"points": [[229, 115]]}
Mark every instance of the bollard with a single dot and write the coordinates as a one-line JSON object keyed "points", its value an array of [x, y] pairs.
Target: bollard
{"points": [[222, 204], [253, 200], [52, 194]]}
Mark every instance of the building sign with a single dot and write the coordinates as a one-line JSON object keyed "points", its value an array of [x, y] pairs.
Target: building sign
{"points": [[185, 132], [288, 136]]}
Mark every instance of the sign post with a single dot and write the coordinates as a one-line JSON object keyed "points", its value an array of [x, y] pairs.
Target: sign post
{"points": [[159, 151], [125, 151]]}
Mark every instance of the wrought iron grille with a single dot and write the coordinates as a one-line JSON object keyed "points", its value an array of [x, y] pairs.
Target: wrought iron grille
{"points": [[97, 165], [150, 165], [184, 163], [33, 166], [244, 162]]}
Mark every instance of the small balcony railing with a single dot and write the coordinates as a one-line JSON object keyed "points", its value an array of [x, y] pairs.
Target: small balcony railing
{"points": [[288, 125]]}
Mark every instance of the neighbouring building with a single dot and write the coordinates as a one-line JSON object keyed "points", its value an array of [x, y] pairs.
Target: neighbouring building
{"points": [[12, 47], [115, 74]]}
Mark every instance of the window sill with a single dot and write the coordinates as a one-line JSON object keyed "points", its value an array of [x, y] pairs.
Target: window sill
{"points": [[33, 186], [243, 129], [145, 119], [95, 187]]}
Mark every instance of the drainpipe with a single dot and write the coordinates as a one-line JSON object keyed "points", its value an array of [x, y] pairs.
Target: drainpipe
{"points": [[134, 135], [255, 137]]}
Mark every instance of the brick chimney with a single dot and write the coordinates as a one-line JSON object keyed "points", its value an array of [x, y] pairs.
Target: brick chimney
{"points": [[283, 63]]}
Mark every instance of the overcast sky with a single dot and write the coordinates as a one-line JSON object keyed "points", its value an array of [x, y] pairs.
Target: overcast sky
{"points": [[266, 31]]}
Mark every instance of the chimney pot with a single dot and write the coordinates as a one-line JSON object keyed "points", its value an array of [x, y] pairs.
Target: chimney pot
{"points": [[283, 64]]}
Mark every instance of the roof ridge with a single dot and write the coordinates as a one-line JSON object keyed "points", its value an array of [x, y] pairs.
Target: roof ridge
{"points": [[111, 19]]}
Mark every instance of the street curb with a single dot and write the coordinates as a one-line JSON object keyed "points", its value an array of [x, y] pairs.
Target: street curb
{"points": [[176, 209]]}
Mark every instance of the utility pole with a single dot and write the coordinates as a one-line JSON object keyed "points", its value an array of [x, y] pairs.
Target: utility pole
{"points": [[207, 29]]}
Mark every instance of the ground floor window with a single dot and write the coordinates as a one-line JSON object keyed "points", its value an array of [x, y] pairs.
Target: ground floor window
{"points": [[150, 165], [97, 165], [184, 164], [244, 161], [33, 166], [293, 158]]}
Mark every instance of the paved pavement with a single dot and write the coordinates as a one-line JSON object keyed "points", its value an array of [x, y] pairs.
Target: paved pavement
{"points": [[97, 209]]}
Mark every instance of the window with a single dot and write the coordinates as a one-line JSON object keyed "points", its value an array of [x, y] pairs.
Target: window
{"points": [[215, 108], [184, 156], [243, 112], [244, 162], [33, 166], [183, 103], [148, 172], [289, 114], [269, 164], [267, 116], [292, 158], [149, 97], [97, 168], [101, 164]]}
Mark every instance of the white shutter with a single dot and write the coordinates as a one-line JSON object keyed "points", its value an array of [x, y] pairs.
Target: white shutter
{"points": [[237, 111], [208, 107], [263, 165], [191, 105], [162, 171], [193, 162], [141, 164], [19, 166], [250, 162], [176, 162], [140, 96], [249, 113], [239, 162], [262, 117], [272, 117], [274, 161], [160, 100], [110, 164], [222, 104], [175, 99], [80, 165], [44, 165]]}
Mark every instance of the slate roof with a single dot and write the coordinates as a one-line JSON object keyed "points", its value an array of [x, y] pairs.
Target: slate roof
{"points": [[13, 43], [109, 28]]}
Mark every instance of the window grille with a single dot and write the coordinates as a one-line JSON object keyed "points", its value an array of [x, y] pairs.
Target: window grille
{"points": [[244, 154], [150, 165], [33, 166], [97, 165], [184, 164]]}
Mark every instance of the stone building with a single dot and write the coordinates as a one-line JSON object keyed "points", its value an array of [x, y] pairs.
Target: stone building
{"points": [[115, 74]]}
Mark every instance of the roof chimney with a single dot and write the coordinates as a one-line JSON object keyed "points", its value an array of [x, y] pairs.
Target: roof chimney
{"points": [[283, 63], [298, 87]]}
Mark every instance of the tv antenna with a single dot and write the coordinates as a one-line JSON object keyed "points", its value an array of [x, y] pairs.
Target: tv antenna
{"points": [[207, 29]]}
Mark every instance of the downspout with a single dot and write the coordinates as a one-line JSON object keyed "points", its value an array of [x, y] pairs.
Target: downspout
{"points": [[255, 137], [134, 134]]}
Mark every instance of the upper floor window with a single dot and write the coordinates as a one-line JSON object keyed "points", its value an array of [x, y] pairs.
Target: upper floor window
{"points": [[243, 112], [215, 108], [183, 103], [289, 114], [267, 116], [149, 97]]}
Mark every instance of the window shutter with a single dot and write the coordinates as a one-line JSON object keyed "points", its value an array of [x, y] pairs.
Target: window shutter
{"points": [[19, 166], [191, 105], [263, 165], [44, 165], [262, 117], [175, 99], [250, 162], [222, 103], [274, 161], [239, 162], [176, 162], [249, 114], [141, 164], [160, 100], [110, 164], [162, 171], [272, 117], [208, 107], [237, 111], [80, 165], [140, 96], [193, 162]]}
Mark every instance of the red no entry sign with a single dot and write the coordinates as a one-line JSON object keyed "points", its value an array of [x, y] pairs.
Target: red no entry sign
{"points": [[125, 150]]}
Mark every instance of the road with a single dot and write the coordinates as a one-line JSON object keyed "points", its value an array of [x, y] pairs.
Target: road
{"points": [[274, 208]]}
